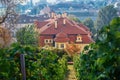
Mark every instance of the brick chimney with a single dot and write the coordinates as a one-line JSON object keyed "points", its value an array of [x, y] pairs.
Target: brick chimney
{"points": [[52, 15], [58, 15], [56, 24], [64, 15], [64, 21], [55, 17]]}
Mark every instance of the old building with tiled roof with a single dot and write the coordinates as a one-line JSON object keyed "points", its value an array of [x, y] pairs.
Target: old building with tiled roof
{"points": [[59, 31]]}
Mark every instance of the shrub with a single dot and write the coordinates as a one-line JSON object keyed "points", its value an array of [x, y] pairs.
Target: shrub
{"points": [[40, 64], [27, 36], [101, 61]]}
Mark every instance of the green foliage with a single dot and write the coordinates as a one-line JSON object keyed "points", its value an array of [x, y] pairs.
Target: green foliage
{"points": [[105, 15], [59, 52], [27, 35], [40, 64], [74, 18], [117, 6], [101, 60], [89, 23], [52, 68]]}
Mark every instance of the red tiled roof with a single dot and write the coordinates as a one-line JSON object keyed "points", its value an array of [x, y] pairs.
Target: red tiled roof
{"points": [[86, 28], [83, 26], [63, 30], [61, 37], [40, 24], [66, 28], [87, 39]]}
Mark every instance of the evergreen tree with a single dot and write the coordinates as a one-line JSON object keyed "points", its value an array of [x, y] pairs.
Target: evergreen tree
{"points": [[89, 23], [105, 15], [101, 60], [27, 35]]}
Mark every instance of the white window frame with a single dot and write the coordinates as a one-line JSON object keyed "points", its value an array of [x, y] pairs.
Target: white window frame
{"points": [[48, 41]]}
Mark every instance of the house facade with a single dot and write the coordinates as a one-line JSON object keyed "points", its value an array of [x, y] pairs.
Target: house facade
{"points": [[60, 31]]}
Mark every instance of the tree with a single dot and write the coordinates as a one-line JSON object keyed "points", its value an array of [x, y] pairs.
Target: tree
{"points": [[5, 37], [89, 23], [10, 9], [27, 35], [117, 6], [10, 14], [74, 18], [105, 15], [101, 60]]}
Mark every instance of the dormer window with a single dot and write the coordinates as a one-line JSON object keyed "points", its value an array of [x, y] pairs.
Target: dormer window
{"points": [[79, 38]]}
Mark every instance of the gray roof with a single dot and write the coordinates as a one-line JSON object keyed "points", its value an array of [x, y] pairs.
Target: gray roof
{"points": [[24, 19]]}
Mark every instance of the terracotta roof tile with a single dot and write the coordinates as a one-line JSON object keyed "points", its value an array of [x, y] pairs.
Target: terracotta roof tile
{"points": [[40, 24], [87, 39], [66, 28], [61, 37], [85, 27]]}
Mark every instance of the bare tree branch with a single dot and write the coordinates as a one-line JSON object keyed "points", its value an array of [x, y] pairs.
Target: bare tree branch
{"points": [[10, 6]]}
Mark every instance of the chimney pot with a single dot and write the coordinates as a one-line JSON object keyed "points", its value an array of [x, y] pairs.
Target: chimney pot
{"points": [[64, 21], [65, 14], [52, 15], [55, 24]]}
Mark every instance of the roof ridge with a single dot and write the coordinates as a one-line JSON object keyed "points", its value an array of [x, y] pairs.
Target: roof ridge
{"points": [[84, 26], [76, 25], [69, 22]]}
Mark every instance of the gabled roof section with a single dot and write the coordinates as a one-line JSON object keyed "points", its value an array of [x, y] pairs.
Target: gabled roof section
{"points": [[61, 37]]}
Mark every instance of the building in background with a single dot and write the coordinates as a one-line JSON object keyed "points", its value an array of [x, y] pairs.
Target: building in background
{"points": [[59, 31]]}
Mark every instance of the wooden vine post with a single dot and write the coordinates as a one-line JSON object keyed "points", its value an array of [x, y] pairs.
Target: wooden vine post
{"points": [[22, 61]]}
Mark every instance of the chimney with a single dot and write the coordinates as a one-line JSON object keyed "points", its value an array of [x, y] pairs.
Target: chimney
{"points": [[58, 15], [49, 15], [65, 14], [64, 21], [55, 17], [56, 24], [52, 15]]}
